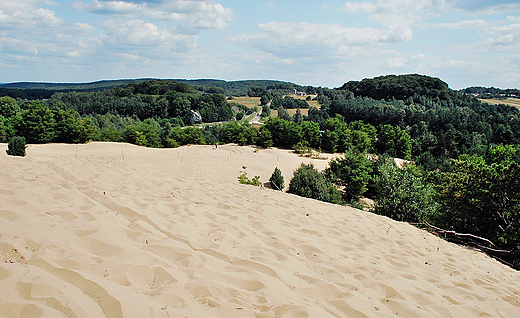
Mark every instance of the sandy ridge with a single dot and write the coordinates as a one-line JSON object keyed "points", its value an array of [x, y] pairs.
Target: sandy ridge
{"points": [[116, 230]]}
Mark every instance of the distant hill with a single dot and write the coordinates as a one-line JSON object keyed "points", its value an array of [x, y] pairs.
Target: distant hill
{"points": [[399, 87], [91, 86], [39, 90], [492, 92]]}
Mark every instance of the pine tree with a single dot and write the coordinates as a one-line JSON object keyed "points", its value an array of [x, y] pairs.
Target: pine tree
{"points": [[277, 179]]}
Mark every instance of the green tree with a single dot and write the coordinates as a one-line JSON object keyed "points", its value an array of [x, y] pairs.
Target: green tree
{"points": [[8, 106], [193, 136], [338, 137], [350, 172], [363, 135], [401, 194], [394, 141], [266, 111], [308, 182], [284, 133], [284, 114], [264, 100], [16, 146], [2, 131], [179, 106], [37, 124], [185, 136], [71, 129], [311, 133], [265, 138], [298, 116], [481, 196], [144, 134], [257, 91], [276, 179]]}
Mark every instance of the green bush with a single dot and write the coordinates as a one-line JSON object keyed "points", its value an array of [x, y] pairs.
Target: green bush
{"points": [[243, 179], [308, 182], [2, 131], [276, 179], [351, 172], [481, 196], [401, 194], [16, 146]]}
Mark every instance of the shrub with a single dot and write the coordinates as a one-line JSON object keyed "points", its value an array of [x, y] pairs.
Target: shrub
{"points": [[16, 146], [301, 147], [401, 194], [308, 182], [243, 179], [351, 172], [276, 179], [2, 131]]}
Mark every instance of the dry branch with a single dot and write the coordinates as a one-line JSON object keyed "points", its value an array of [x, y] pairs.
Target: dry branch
{"points": [[476, 242]]}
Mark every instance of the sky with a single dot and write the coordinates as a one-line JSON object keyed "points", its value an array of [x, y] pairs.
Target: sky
{"points": [[318, 43]]}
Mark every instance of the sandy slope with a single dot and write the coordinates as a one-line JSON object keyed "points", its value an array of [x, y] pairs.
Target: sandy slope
{"points": [[116, 230]]}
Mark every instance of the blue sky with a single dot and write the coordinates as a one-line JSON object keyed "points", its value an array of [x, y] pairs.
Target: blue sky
{"points": [[319, 43]]}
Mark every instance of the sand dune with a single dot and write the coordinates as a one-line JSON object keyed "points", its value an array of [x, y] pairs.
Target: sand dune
{"points": [[116, 230]]}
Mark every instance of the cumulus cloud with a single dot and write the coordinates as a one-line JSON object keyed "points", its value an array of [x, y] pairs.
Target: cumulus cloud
{"points": [[286, 39], [17, 46], [485, 6], [137, 34], [197, 14], [503, 35], [395, 12], [357, 7], [404, 63], [418, 8], [29, 19], [464, 24]]}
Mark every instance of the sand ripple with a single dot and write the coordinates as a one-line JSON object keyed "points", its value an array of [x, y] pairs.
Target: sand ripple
{"points": [[124, 231]]}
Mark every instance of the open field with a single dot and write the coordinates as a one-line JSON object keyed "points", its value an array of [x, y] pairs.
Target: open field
{"points": [[246, 100], [515, 102], [312, 103], [116, 230], [255, 101], [305, 111]]}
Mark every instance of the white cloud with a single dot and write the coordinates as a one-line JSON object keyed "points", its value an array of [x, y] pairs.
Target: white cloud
{"points": [[197, 14], [10, 6], [509, 19], [289, 39], [485, 6], [38, 18], [396, 12], [357, 7], [464, 24], [109, 7], [139, 35], [17, 46], [503, 35]]}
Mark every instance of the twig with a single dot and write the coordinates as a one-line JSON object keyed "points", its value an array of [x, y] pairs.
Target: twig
{"points": [[460, 238], [442, 231]]}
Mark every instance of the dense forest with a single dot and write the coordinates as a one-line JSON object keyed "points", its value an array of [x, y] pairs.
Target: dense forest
{"points": [[35, 90], [463, 168]]}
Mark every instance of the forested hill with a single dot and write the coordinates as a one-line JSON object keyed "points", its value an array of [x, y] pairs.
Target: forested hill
{"points": [[400, 87], [37, 90]]}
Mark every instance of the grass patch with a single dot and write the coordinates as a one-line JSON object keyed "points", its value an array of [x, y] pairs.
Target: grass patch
{"points": [[312, 103], [247, 101], [515, 102]]}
